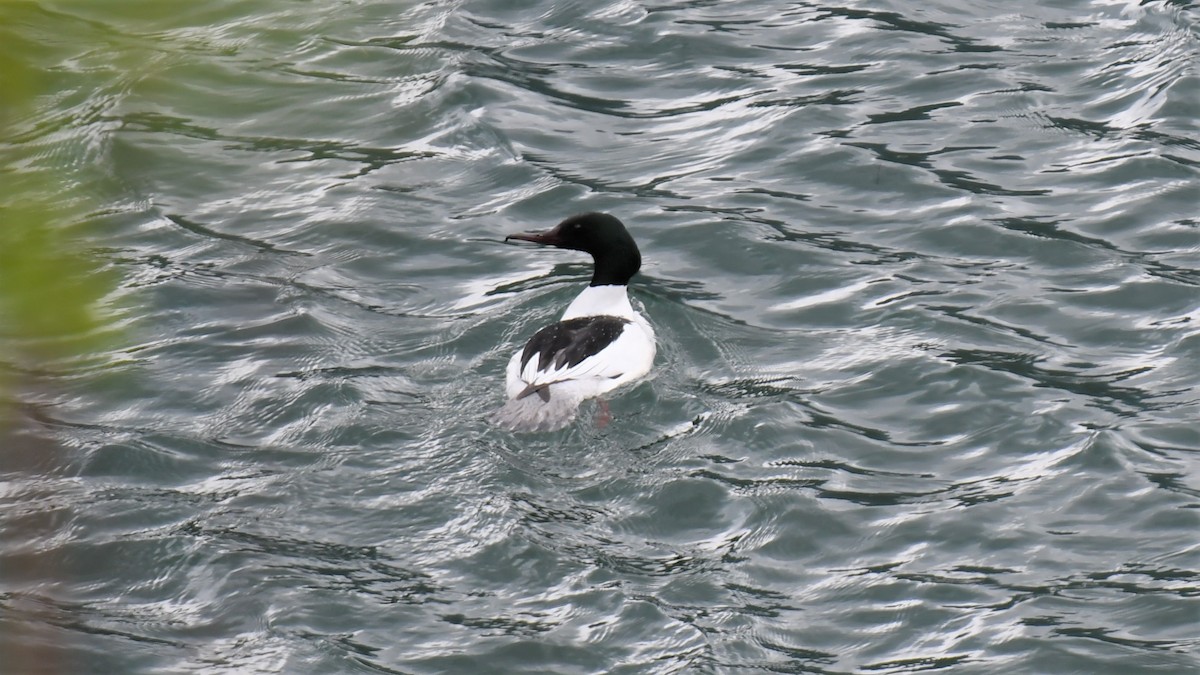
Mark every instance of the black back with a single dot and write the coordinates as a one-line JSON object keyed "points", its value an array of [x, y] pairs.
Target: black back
{"points": [[570, 342]]}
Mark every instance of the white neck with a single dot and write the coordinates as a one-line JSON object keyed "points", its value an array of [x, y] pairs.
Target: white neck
{"points": [[610, 300]]}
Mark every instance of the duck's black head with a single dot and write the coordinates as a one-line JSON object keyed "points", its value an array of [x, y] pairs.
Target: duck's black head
{"points": [[603, 236]]}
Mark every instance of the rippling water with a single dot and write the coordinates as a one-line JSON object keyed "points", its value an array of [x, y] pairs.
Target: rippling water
{"points": [[925, 277]]}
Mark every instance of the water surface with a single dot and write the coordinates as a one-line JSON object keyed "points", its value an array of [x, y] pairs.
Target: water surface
{"points": [[925, 280]]}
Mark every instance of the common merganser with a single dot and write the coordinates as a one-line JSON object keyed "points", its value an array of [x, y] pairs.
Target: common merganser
{"points": [[599, 344]]}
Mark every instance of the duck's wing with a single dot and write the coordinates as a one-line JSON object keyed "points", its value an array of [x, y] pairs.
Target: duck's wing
{"points": [[575, 349], [570, 361]]}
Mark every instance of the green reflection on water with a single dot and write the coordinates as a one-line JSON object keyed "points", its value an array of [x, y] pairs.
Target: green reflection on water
{"points": [[51, 288]]}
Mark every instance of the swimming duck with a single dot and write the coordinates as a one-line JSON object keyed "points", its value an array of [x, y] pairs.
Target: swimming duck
{"points": [[599, 344]]}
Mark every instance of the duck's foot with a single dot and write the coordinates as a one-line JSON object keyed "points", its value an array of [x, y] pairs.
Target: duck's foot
{"points": [[603, 414]]}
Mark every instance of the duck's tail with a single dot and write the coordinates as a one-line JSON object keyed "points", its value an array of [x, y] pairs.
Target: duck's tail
{"points": [[545, 408]]}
